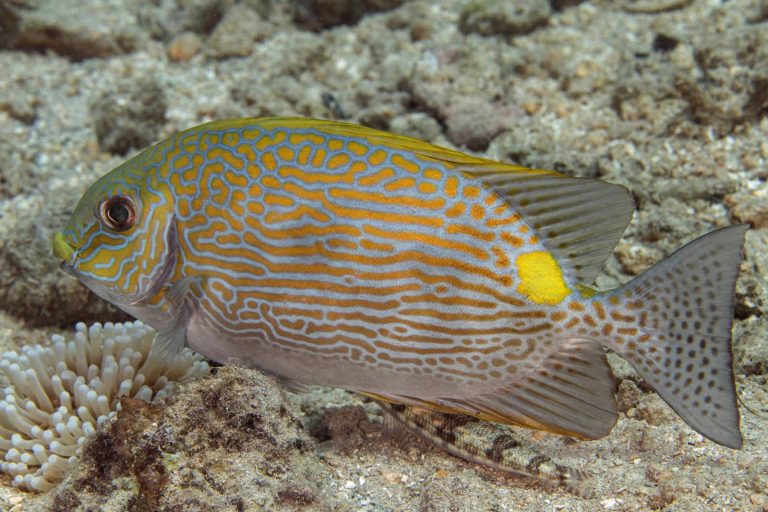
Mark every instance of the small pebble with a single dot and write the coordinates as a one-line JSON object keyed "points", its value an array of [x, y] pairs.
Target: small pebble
{"points": [[502, 17], [752, 210], [323, 14], [237, 32], [184, 46]]}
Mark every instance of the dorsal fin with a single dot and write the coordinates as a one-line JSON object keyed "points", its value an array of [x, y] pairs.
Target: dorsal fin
{"points": [[579, 220]]}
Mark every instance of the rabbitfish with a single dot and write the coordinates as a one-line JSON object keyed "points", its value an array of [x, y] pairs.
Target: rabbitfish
{"points": [[333, 254]]}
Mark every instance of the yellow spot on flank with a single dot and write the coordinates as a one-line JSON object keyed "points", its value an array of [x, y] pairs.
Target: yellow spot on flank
{"points": [[541, 279], [335, 144], [433, 174]]}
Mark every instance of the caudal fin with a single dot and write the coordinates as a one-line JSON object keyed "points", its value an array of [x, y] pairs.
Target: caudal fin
{"points": [[684, 306]]}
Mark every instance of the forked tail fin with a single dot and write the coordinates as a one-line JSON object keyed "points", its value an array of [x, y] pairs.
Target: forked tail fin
{"points": [[682, 348]]}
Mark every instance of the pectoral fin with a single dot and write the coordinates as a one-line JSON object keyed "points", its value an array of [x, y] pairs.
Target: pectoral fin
{"points": [[170, 341]]}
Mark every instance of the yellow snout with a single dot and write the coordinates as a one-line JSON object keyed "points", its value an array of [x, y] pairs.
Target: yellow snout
{"points": [[61, 249]]}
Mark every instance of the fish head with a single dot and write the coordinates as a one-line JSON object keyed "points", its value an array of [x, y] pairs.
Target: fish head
{"points": [[121, 239]]}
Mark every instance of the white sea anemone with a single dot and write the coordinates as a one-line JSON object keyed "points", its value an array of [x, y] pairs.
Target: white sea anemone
{"points": [[58, 395]]}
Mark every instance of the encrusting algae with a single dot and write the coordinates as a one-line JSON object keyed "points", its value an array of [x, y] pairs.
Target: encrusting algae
{"points": [[431, 280]]}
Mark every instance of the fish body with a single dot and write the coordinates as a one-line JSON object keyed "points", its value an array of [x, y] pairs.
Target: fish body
{"points": [[332, 254]]}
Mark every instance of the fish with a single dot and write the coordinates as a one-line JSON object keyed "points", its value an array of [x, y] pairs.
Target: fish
{"points": [[332, 254]]}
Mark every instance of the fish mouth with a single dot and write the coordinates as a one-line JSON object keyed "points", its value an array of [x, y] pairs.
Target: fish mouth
{"points": [[63, 251], [68, 255]]}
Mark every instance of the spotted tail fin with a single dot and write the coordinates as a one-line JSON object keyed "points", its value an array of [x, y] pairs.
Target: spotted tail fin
{"points": [[684, 307]]}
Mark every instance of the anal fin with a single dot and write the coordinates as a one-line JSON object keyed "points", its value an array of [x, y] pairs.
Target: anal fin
{"points": [[570, 393]]}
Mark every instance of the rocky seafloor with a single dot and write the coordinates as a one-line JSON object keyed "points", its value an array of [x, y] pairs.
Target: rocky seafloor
{"points": [[667, 97]]}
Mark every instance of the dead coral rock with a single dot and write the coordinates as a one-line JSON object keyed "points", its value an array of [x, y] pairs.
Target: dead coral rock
{"points": [[749, 208], [663, 498], [21, 105], [654, 411], [750, 352], [709, 81], [65, 28], [343, 423], [441, 496], [501, 17], [474, 123], [735, 70], [323, 14], [751, 288], [166, 19], [636, 259], [416, 124], [226, 442], [237, 32], [129, 117], [16, 169], [628, 395]]}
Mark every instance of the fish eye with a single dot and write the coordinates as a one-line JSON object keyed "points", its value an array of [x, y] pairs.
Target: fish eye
{"points": [[118, 213]]}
